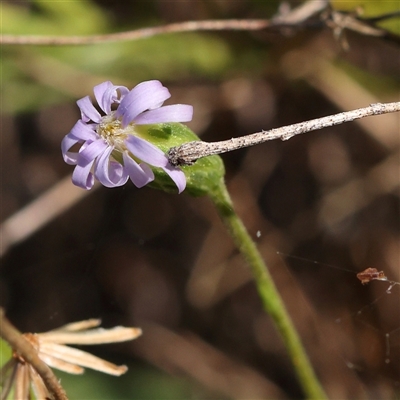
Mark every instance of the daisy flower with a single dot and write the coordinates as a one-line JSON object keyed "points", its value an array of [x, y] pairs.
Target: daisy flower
{"points": [[110, 150]]}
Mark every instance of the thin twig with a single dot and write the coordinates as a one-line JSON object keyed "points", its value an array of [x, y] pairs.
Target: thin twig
{"points": [[188, 26], [24, 349], [292, 18], [188, 153]]}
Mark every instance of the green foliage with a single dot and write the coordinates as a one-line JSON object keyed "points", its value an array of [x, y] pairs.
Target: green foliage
{"points": [[143, 384], [202, 177], [41, 75], [372, 9], [5, 352], [381, 85], [5, 355], [53, 18]]}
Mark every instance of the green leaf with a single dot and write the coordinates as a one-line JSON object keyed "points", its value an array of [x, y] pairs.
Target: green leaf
{"points": [[372, 9]]}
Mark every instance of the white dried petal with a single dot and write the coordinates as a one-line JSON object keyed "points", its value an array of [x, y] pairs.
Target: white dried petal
{"points": [[22, 382], [82, 358], [93, 336], [61, 365], [39, 388], [77, 326]]}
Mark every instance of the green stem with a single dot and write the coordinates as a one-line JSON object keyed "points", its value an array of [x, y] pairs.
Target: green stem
{"points": [[271, 300]]}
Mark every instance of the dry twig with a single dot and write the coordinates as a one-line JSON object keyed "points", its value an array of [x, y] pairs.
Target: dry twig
{"points": [[188, 153]]}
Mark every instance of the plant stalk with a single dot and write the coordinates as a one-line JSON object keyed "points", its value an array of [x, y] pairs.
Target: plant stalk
{"points": [[270, 297]]}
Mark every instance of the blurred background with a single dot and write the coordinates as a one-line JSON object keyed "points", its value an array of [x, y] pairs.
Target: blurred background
{"points": [[322, 206]]}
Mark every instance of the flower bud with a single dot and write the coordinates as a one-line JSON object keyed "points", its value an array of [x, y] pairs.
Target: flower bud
{"points": [[203, 177]]}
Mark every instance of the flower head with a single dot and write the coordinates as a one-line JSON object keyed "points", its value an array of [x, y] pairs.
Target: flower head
{"points": [[51, 348], [111, 151]]}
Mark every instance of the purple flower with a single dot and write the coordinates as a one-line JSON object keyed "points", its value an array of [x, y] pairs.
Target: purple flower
{"points": [[110, 151]]}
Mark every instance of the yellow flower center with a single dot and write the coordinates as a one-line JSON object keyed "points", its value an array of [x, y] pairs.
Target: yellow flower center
{"points": [[110, 129]]}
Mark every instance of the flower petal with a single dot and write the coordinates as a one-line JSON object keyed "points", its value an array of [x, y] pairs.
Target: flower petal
{"points": [[38, 387], [147, 95], [152, 155], [141, 174], [80, 358], [108, 172], [79, 133], [61, 365], [173, 113], [84, 131], [88, 111], [69, 156], [146, 151], [106, 94], [177, 176], [82, 176], [103, 101], [90, 150]]}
